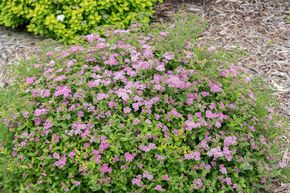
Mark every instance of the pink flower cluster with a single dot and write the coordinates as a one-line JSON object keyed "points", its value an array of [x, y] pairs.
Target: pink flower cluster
{"points": [[197, 183], [62, 91], [61, 162], [129, 156], [42, 93], [145, 148], [192, 155], [106, 169], [230, 141], [39, 112], [137, 181]]}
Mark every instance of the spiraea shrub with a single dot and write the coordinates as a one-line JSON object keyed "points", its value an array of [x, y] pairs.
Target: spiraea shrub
{"points": [[113, 116], [65, 19]]}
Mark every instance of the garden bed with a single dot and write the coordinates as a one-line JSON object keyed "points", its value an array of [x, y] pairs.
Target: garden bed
{"points": [[260, 29]]}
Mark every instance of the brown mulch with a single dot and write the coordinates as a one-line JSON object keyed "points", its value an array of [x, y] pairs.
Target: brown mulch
{"points": [[259, 27], [14, 46]]}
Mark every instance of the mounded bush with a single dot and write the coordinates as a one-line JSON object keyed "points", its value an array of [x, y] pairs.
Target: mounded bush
{"points": [[111, 116], [65, 19]]}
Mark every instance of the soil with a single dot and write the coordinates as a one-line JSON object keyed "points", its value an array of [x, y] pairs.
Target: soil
{"points": [[14, 46]]}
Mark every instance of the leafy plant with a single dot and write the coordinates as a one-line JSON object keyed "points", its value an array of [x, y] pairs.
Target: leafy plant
{"points": [[124, 114], [66, 19]]}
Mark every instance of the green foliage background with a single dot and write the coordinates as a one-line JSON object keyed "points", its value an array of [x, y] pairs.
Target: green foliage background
{"points": [[66, 19]]}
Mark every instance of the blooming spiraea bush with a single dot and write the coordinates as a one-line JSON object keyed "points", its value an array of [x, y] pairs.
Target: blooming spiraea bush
{"points": [[111, 116], [66, 19]]}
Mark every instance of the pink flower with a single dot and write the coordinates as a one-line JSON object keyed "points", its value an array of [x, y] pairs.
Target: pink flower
{"points": [[188, 45], [191, 98], [92, 37], [212, 106], [197, 183], [190, 125], [60, 163], [158, 188], [177, 82], [43, 174], [174, 113], [223, 170], [59, 78], [40, 93], [39, 112], [136, 121], [72, 154], [176, 132], [147, 175], [47, 124], [111, 104], [127, 110], [106, 169], [217, 125], [148, 122], [235, 186], [76, 183], [55, 138], [30, 80], [116, 159], [112, 61], [207, 167], [204, 94], [252, 128], [152, 146], [80, 113], [228, 181], [62, 90], [49, 53], [23, 143], [137, 182], [252, 95], [64, 54], [160, 68], [102, 96], [165, 177], [95, 83], [122, 93], [168, 55], [14, 153], [215, 87], [144, 148], [192, 155], [230, 141], [129, 157], [215, 152], [37, 121], [159, 157], [263, 180], [164, 34], [228, 154], [104, 145], [76, 48]]}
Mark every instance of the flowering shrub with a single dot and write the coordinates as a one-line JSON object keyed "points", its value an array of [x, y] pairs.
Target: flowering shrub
{"points": [[64, 19], [119, 117]]}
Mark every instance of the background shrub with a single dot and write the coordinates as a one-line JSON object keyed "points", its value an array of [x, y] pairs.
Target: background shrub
{"points": [[120, 115], [64, 19]]}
